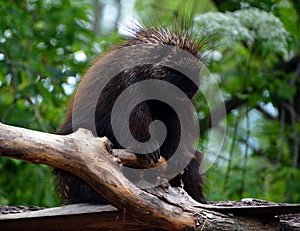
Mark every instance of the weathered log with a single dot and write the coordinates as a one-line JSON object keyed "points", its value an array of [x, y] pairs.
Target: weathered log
{"points": [[89, 158]]}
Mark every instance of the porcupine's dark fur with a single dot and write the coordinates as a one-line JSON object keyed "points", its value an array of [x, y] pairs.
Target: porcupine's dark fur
{"points": [[72, 188]]}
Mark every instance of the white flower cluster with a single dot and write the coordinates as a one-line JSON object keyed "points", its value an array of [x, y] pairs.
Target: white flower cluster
{"points": [[225, 27], [247, 25]]}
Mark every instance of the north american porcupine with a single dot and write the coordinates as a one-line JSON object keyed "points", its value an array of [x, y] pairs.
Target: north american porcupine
{"points": [[72, 188]]}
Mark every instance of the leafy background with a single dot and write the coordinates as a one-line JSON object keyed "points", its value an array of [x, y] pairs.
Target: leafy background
{"points": [[46, 45]]}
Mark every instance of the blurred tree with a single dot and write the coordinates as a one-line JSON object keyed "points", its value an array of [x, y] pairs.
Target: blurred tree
{"points": [[44, 48], [258, 67]]}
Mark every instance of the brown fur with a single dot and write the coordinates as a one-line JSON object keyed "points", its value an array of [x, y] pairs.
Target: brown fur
{"points": [[73, 189]]}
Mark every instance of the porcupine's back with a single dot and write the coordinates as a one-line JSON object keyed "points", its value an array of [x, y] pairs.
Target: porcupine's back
{"points": [[72, 189]]}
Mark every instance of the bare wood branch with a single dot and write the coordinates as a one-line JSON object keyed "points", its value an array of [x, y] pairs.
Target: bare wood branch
{"points": [[80, 153], [88, 157]]}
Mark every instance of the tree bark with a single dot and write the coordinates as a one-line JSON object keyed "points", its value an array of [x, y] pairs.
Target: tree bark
{"points": [[89, 158]]}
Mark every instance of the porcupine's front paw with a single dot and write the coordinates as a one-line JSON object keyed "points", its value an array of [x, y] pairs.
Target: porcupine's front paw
{"points": [[152, 157]]}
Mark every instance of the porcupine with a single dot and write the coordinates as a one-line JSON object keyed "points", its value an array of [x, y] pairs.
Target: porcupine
{"points": [[72, 188]]}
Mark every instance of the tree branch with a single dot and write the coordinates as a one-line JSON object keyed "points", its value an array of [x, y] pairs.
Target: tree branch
{"points": [[89, 158]]}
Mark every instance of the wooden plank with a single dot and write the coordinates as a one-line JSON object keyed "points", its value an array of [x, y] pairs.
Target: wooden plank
{"points": [[72, 217]]}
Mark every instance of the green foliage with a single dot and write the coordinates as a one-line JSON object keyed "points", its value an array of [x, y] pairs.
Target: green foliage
{"points": [[26, 184], [256, 48], [166, 12], [40, 47], [38, 42]]}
